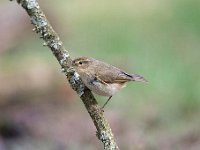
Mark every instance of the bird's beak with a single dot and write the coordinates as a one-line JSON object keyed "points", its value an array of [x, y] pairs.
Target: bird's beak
{"points": [[73, 63]]}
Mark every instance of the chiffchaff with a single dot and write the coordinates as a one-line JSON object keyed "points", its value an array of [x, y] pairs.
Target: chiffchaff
{"points": [[102, 78]]}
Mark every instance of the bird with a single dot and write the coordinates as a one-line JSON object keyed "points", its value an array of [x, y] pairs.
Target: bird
{"points": [[102, 78]]}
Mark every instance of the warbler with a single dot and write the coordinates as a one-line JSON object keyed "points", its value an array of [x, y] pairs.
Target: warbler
{"points": [[102, 78]]}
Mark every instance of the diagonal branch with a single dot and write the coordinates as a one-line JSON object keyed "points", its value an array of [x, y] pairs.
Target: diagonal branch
{"points": [[52, 40]]}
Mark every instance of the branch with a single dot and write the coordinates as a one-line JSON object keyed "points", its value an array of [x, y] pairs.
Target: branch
{"points": [[52, 40]]}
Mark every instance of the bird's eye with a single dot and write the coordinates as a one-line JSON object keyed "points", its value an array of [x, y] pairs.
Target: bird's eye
{"points": [[80, 63]]}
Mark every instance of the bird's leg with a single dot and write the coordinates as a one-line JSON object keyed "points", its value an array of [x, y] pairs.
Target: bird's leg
{"points": [[106, 102]]}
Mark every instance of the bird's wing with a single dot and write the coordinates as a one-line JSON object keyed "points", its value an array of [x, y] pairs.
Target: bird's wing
{"points": [[111, 74], [113, 78]]}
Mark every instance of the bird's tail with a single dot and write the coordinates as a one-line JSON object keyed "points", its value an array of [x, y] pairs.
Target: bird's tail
{"points": [[137, 77], [134, 77]]}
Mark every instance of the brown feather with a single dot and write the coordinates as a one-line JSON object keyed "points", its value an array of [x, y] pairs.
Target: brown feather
{"points": [[107, 75]]}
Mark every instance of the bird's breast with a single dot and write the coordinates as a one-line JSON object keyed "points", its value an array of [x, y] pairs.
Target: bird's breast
{"points": [[104, 89]]}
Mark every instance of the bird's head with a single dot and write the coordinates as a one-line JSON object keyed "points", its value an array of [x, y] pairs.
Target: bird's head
{"points": [[81, 63]]}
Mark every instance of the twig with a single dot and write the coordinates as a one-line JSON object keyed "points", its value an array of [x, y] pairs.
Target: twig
{"points": [[52, 40]]}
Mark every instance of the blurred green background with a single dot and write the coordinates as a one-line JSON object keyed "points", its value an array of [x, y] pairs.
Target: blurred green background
{"points": [[157, 38]]}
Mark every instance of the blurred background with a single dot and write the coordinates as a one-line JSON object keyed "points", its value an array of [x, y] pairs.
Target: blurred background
{"points": [[158, 39]]}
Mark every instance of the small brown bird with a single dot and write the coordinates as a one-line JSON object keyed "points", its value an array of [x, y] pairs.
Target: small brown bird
{"points": [[102, 78]]}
